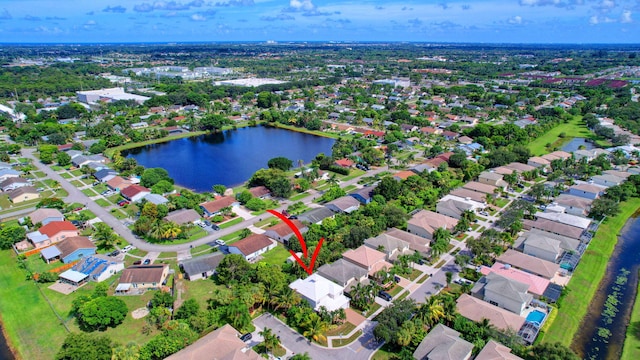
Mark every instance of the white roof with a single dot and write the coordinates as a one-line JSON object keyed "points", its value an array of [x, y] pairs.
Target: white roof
{"points": [[37, 237], [566, 219], [123, 287], [322, 291], [73, 276]]}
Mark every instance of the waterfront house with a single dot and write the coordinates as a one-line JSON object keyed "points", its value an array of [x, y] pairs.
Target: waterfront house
{"points": [[214, 207], [117, 183], [537, 285], [476, 309], [503, 292], [534, 265], [135, 193]]}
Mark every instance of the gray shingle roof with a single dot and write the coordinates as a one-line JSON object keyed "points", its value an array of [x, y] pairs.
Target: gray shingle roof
{"points": [[201, 264]]}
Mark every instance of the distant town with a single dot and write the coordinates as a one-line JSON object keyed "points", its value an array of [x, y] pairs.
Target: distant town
{"points": [[464, 201]]}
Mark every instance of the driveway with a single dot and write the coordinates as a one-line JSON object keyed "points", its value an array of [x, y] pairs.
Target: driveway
{"points": [[436, 282], [361, 349]]}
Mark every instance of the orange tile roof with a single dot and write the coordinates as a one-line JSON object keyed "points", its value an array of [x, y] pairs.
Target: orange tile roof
{"points": [[55, 227]]}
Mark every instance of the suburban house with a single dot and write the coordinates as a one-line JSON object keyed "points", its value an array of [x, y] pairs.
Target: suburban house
{"points": [[367, 258], [135, 192], [282, 232], [252, 246], [182, 216], [391, 246], [320, 292], [537, 285], [363, 195], [503, 292], [8, 173], [45, 216], [316, 215], [520, 167], [443, 343], [344, 273], [155, 199], [531, 264], [424, 223], [453, 206], [79, 161], [260, 192], [475, 309], [480, 187], [493, 350], [416, 243], [469, 194], [566, 219], [403, 175], [224, 343], [344, 204], [574, 205], [493, 179], [22, 194], [104, 175], [117, 183], [98, 267], [214, 207], [52, 233], [539, 162], [69, 250], [72, 277], [553, 227], [137, 279], [587, 191], [13, 183], [543, 247], [201, 267], [607, 180]]}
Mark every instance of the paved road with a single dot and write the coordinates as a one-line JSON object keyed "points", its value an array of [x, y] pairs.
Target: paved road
{"points": [[75, 195], [361, 349], [18, 213]]}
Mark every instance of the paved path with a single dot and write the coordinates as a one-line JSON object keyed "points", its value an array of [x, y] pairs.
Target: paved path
{"points": [[361, 349]]}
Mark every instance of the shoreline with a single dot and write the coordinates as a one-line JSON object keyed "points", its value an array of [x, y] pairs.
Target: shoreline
{"points": [[630, 348], [572, 308], [12, 349]]}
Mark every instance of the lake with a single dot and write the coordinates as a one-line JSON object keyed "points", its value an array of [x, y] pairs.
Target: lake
{"points": [[576, 143], [229, 157]]}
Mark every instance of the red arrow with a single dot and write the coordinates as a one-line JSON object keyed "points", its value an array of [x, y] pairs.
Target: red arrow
{"points": [[303, 244]]}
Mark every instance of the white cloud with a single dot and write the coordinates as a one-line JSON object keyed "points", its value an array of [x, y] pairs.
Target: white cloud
{"points": [[515, 20], [305, 5], [198, 17], [607, 4], [625, 18], [593, 20]]}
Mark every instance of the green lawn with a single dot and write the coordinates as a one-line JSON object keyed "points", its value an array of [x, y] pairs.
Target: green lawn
{"points": [[167, 255], [89, 192], [586, 278], [118, 214], [350, 188], [346, 341], [201, 249], [33, 329], [231, 222], [66, 175], [231, 237], [38, 174], [574, 128], [501, 202], [276, 256], [77, 172], [100, 188], [631, 349], [354, 173], [77, 183], [115, 198], [103, 202], [37, 265], [88, 214], [299, 196]]}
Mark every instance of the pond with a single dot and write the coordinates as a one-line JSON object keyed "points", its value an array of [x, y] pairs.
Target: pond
{"points": [[229, 157], [575, 144]]}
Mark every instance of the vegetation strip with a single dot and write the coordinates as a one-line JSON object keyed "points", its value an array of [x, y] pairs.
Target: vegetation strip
{"points": [[573, 306], [631, 349]]}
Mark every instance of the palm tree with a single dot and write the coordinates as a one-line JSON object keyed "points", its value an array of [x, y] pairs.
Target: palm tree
{"points": [[170, 230], [156, 230], [131, 351], [271, 340], [431, 312], [237, 314], [286, 299], [333, 179], [315, 328], [441, 239], [304, 356]]}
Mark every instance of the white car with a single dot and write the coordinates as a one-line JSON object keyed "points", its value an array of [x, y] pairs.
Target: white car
{"points": [[127, 248], [220, 242]]}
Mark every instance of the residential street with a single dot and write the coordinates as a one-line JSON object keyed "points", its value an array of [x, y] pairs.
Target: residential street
{"points": [[361, 349]]}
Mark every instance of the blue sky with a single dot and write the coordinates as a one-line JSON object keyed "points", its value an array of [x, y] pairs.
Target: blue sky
{"points": [[513, 21]]}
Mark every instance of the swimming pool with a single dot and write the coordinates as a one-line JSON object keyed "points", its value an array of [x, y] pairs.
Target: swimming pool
{"points": [[536, 317]]}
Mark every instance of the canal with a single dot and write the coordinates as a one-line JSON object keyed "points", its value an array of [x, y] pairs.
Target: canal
{"points": [[603, 329], [229, 157]]}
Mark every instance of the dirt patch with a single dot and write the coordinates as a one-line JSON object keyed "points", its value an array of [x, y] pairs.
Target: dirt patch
{"points": [[140, 313]]}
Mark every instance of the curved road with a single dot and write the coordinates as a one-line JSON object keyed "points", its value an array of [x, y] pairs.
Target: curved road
{"points": [[75, 195]]}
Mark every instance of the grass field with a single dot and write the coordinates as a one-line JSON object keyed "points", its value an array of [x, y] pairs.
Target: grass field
{"points": [[102, 202], [231, 222], [631, 349], [201, 249], [586, 278], [299, 196], [276, 256], [32, 327], [574, 128], [89, 192]]}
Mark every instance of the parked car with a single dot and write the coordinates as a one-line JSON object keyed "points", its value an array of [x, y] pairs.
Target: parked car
{"points": [[146, 262], [123, 203], [207, 222], [137, 262], [221, 242], [293, 217], [114, 253], [215, 227], [127, 248], [246, 337], [385, 295]]}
